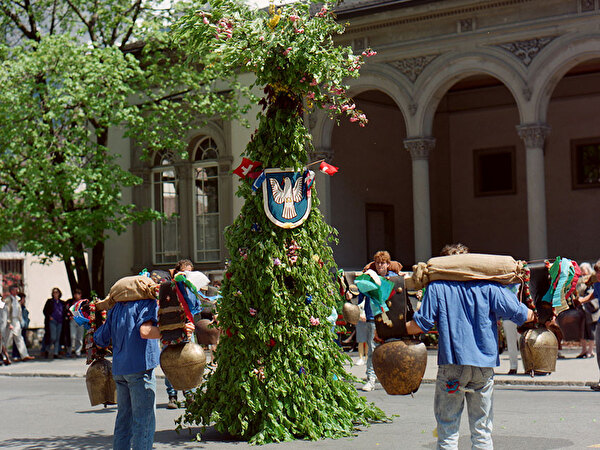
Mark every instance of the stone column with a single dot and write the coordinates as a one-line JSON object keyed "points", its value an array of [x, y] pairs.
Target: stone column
{"points": [[533, 136], [322, 181], [419, 149]]}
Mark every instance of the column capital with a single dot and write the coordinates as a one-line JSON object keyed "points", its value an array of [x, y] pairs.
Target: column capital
{"points": [[419, 148], [533, 134], [325, 153]]}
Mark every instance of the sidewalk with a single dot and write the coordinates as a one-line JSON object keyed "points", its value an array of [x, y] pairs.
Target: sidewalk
{"points": [[569, 371]]}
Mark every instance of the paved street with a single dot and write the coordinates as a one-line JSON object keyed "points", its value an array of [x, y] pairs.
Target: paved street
{"points": [[51, 411]]}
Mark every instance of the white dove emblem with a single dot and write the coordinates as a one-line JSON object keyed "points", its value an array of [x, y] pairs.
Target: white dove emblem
{"points": [[287, 195]]}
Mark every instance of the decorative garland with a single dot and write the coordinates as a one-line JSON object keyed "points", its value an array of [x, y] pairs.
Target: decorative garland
{"points": [[92, 350]]}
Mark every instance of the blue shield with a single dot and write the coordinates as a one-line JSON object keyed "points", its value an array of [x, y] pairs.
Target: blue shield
{"points": [[286, 199]]}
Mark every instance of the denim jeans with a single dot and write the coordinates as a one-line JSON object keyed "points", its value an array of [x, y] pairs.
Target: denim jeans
{"points": [[55, 329], [77, 332], [454, 384], [371, 345], [136, 421]]}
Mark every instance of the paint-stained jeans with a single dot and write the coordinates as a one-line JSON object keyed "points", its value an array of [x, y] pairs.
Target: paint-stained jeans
{"points": [[136, 421], [454, 384]]}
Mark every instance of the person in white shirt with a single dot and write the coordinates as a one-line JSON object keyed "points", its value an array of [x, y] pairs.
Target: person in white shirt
{"points": [[12, 332]]}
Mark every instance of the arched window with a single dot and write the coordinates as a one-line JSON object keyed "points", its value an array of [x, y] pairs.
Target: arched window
{"points": [[207, 229], [165, 198]]}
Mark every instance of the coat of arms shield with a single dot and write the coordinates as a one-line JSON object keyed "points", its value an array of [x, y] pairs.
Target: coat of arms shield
{"points": [[286, 198]]}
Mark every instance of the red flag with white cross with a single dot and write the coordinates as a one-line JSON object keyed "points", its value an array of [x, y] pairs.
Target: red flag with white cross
{"points": [[327, 168], [246, 168]]}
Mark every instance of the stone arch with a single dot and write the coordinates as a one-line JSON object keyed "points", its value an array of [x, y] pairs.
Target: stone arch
{"points": [[446, 70], [212, 130], [553, 63], [376, 77]]}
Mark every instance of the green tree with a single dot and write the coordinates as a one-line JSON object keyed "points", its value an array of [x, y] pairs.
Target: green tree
{"points": [[279, 375], [72, 70]]}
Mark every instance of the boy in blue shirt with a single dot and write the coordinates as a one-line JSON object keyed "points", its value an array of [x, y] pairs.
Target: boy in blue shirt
{"points": [[132, 328], [466, 315]]}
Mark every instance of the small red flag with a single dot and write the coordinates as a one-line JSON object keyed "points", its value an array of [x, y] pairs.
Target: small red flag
{"points": [[327, 168], [246, 168]]}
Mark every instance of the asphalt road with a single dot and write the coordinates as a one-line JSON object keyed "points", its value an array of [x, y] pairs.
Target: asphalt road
{"points": [[54, 413]]}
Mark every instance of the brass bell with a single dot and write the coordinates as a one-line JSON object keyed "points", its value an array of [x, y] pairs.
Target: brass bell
{"points": [[400, 365], [183, 364], [539, 350], [206, 334], [100, 383], [351, 313]]}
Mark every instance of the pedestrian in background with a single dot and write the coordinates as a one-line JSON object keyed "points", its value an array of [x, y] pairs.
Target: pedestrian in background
{"points": [[595, 293], [3, 319], [54, 316], [14, 319], [24, 324], [76, 331]]}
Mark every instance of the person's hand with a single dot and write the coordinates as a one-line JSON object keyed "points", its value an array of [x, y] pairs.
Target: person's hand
{"points": [[189, 328], [362, 319]]}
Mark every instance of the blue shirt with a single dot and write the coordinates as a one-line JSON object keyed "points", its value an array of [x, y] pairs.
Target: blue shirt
{"points": [[362, 297], [131, 353], [466, 314], [597, 294]]}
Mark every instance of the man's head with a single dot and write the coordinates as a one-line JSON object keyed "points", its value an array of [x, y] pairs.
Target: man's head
{"points": [[77, 294], [184, 265], [13, 290], [382, 262], [597, 269], [56, 293], [454, 249]]}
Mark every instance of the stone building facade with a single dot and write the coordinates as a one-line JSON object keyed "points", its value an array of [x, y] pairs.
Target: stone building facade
{"points": [[483, 129]]}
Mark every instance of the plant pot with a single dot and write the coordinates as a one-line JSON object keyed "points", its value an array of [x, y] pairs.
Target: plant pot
{"points": [[400, 366], [100, 383], [183, 364]]}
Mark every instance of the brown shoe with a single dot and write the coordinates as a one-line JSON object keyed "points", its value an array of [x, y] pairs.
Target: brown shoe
{"points": [[28, 358]]}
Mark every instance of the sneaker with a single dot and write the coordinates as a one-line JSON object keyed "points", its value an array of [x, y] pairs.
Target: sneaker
{"points": [[360, 362], [369, 386], [172, 403]]}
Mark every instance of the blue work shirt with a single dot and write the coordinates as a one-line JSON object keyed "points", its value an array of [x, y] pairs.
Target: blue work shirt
{"points": [[466, 314], [368, 309], [131, 353]]}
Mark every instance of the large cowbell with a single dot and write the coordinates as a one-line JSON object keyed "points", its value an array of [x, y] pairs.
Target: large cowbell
{"points": [[286, 197], [400, 311]]}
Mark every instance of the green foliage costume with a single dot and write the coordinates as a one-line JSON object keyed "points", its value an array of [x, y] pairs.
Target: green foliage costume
{"points": [[279, 375]]}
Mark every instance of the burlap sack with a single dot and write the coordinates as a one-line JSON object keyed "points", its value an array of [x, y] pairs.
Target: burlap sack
{"points": [[128, 289], [467, 267]]}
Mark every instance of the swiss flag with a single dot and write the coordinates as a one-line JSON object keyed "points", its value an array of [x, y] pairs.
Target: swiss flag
{"points": [[246, 168], [327, 168]]}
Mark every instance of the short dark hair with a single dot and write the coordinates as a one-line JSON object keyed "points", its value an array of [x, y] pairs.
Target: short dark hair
{"points": [[77, 291], [13, 286], [454, 249], [56, 289]]}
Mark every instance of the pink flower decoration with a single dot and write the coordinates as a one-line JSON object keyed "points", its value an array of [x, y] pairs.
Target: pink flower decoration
{"points": [[314, 321], [252, 311], [299, 30], [353, 119], [205, 20], [311, 95], [294, 17], [314, 82], [289, 49], [276, 261]]}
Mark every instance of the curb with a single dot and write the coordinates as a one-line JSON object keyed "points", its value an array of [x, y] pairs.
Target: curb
{"points": [[497, 382]]}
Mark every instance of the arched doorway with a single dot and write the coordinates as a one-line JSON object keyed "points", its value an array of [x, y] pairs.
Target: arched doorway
{"points": [[371, 195], [572, 162], [477, 170]]}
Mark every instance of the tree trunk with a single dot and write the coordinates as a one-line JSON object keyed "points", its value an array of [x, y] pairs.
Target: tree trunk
{"points": [[98, 269], [83, 276], [70, 273]]}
